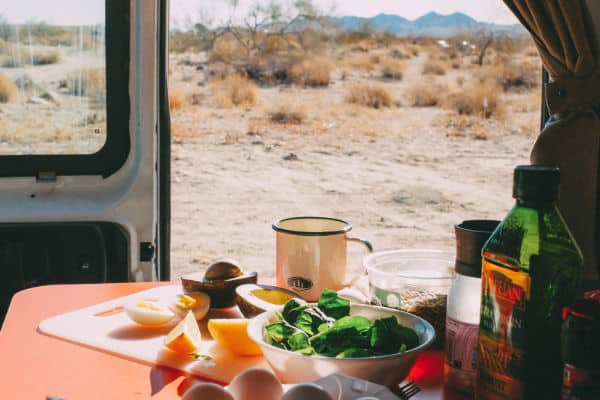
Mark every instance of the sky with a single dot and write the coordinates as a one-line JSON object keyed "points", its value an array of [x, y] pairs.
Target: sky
{"points": [[86, 12]]}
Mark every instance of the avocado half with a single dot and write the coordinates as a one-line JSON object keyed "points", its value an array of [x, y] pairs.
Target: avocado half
{"points": [[254, 299], [219, 282]]}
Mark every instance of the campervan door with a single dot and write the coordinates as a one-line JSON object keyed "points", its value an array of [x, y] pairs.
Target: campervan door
{"points": [[84, 143]]}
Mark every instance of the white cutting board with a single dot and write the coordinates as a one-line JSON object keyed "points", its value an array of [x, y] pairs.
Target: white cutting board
{"points": [[107, 328]]}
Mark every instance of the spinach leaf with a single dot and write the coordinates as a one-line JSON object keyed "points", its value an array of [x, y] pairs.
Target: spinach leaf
{"points": [[362, 324], [383, 338], [336, 340], [310, 319], [280, 331], [407, 336], [332, 305], [292, 309], [354, 352], [299, 342]]}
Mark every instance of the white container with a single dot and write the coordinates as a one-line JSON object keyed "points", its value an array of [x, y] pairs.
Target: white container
{"points": [[463, 308]]}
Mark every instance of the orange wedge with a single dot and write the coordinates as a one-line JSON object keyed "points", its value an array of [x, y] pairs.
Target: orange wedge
{"points": [[185, 338], [232, 334]]}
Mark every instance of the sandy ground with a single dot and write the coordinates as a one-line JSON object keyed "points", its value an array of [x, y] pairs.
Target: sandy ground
{"points": [[401, 176]]}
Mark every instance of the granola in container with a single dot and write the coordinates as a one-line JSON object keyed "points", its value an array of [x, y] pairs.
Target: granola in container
{"points": [[415, 281]]}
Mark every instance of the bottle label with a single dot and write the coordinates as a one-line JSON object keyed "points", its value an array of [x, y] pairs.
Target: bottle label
{"points": [[461, 354], [505, 292]]}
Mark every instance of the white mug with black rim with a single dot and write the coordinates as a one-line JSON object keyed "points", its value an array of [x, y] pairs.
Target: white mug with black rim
{"points": [[311, 254]]}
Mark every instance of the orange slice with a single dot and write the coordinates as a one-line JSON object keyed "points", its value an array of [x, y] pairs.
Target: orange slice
{"points": [[185, 338], [232, 334]]}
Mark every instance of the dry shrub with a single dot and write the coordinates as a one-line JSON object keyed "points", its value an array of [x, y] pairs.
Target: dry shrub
{"points": [[512, 76], [226, 51], [369, 96], [315, 71], [287, 114], [235, 90], [363, 63], [176, 99], [531, 52], [455, 64], [392, 68], [481, 99], [434, 67], [8, 89], [422, 95], [414, 50], [45, 57], [89, 82]]}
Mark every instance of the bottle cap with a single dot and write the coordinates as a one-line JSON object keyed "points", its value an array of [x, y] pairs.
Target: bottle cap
{"points": [[536, 182], [471, 235]]}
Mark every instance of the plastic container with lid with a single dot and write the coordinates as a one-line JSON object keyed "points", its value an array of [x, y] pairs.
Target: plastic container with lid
{"points": [[415, 281], [464, 301]]}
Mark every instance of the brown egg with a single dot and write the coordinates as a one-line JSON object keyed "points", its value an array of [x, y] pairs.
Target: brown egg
{"points": [[205, 391], [256, 384]]}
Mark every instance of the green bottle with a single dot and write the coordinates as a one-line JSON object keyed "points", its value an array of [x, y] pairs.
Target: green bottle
{"points": [[531, 268]]}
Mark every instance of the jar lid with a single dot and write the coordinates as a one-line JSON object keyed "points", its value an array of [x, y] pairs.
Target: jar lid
{"points": [[471, 235]]}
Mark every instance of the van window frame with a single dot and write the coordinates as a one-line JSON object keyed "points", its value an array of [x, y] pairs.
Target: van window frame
{"points": [[113, 154]]}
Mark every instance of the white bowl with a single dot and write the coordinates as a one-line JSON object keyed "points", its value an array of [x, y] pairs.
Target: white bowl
{"points": [[388, 370]]}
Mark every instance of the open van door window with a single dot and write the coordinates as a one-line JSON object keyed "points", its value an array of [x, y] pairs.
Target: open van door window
{"points": [[82, 191]]}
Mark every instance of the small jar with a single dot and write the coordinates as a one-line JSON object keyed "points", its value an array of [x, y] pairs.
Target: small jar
{"points": [[580, 350], [464, 301]]}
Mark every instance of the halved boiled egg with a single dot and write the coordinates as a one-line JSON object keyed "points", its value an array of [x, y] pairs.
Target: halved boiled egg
{"points": [[197, 302], [150, 313]]}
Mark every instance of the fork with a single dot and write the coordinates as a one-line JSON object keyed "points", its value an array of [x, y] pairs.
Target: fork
{"points": [[407, 389]]}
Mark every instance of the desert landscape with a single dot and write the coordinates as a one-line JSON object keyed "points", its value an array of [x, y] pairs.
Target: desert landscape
{"points": [[403, 136]]}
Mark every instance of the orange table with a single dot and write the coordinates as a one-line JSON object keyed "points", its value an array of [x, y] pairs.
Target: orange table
{"points": [[33, 366]]}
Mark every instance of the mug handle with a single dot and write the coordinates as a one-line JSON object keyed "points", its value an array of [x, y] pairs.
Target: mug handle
{"points": [[367, 244]]}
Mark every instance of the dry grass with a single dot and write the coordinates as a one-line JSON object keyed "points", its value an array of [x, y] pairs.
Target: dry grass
{"points": [[287, 113], [45, 57], [362, 63], [434, 67], [8, 89], [176, 99], [392, 68], [89, 82], [181, 133], [369, 96], [234, 90], [63, 135], [481, 99], [314, 72], [423, 95]]}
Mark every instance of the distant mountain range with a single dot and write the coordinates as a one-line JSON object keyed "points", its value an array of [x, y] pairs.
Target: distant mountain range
{"points": [[430, 24]]}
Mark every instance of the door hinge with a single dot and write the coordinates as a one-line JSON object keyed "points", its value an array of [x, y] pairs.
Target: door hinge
{"points": [[147, 251]]}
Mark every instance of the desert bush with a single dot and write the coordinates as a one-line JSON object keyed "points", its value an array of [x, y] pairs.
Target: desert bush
{"points": [[8, 89], [234, 90], [414, 50], [287, 114], [522, 76], [392, 68], [45, 57], [455, 64], [314, 71], [434, 67], [90, 82], [369, 96], [422, 95], [176, 99], [363, 63], [481, 99], [226, 51]]}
